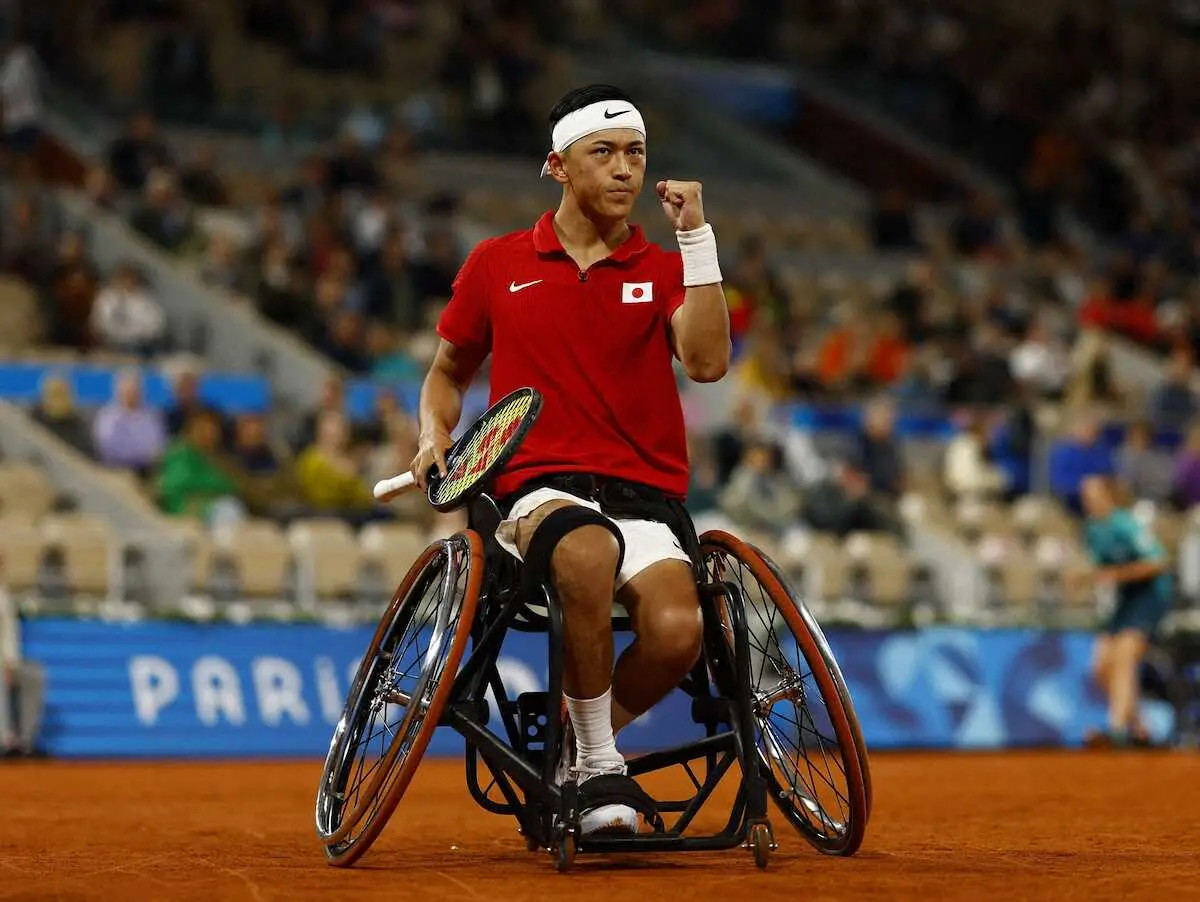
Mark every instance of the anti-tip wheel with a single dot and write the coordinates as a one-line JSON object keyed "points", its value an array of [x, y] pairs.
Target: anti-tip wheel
{"points": [[761, 844], [566, 853]]}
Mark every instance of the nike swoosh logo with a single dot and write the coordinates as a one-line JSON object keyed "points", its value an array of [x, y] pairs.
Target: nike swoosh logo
{"points": [[608, 115], [514, 287]]}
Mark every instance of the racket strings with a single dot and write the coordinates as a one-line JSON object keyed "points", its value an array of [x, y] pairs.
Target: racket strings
{"points": [[484, 449]]}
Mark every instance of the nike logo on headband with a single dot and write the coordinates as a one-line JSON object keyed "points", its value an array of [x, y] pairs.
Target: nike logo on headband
{"points": [[608, 115]]}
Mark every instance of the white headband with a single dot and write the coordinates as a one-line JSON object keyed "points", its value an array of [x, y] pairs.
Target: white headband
{"points": [[594, 118]]}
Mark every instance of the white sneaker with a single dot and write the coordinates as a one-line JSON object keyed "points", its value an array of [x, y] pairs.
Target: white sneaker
{"points": [[605, 818]]}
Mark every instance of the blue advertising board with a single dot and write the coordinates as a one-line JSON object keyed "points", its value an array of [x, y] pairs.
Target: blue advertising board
{"points": [[184, 690]]}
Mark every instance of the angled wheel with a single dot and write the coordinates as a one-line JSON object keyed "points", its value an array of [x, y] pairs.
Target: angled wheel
{"points": [[398, 696], [809, 743]]}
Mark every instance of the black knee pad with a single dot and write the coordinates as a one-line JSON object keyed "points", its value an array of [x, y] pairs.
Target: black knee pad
{"points": [[551, 531]]}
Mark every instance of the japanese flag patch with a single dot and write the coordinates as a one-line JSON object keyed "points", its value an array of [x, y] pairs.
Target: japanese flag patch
{"points": [[637, 292]]}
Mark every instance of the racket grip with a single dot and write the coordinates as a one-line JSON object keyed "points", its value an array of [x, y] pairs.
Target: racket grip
{"points": [[387, 489]]}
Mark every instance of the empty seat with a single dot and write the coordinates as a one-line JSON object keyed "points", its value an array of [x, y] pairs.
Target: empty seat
{"points": [[21, 553], [1036, 516], [88, 552], [24, 489], [260, 557], [198, 551], [327, 557], [976, 519], [1013, 576], [881, 567], [822, 566], [393, 548]]}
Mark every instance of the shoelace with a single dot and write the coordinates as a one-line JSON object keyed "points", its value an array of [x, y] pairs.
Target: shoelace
{"points": [[593, 768]]}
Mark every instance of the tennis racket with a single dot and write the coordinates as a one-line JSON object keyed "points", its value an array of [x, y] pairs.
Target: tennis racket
{"points": [[479, 453]]}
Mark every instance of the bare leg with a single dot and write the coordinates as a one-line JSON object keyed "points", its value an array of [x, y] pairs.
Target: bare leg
{"points": [[664, 610], [1129, 647]]}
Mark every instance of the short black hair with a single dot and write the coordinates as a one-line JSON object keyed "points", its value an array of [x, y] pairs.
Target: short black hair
{"points": [[585, 96]]}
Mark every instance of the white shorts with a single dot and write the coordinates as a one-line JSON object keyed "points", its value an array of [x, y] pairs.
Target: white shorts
{"points": [[646, 541]]}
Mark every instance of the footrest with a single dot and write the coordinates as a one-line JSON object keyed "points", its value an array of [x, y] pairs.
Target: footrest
{"points": [[617, 789]]}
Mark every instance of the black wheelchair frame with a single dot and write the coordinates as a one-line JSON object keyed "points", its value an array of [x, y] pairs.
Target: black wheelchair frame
{"points": [[533, 727], [520, 761]]}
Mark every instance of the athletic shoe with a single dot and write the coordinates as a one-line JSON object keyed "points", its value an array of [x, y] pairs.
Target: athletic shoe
{"points": [[610, 819]]}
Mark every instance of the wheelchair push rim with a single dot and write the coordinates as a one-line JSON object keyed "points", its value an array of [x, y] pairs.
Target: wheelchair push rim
{"points": [[439, 596], [812, 758]]}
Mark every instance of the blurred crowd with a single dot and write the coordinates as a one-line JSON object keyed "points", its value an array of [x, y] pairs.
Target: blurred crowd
{"points": [[996, 316], [1091, 111]]}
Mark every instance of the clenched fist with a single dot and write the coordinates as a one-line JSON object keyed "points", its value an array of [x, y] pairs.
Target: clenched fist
{"points": [[681, 202]]}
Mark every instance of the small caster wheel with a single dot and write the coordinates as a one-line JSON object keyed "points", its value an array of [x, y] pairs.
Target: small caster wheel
{"points": [[761, 845], [566, 853]]}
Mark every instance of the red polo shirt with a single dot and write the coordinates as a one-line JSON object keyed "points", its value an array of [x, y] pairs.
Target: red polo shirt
{"points": [[596, 344]]}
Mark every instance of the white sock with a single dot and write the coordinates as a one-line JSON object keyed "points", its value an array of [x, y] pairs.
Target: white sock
{"points": [[592, 721]]}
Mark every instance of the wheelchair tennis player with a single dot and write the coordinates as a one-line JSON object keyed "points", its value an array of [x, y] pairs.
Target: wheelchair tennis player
{"points": [[584, 309]]}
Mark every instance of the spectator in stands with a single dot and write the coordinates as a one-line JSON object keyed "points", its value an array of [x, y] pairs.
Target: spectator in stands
{"points": [[1174, 401], [760, 496], [126, 433], [1083, 453], [164, 216], [73, 286], [892, 226], [327, 474], [21, 102], [186, 402], [220, 267], [21, 681], [879, 450], [1145, 471], [333, 400], [56, 411], [138, 152], [126, 318], [200, 182], [191, 481], [1186, 485], [264, 474], [28, 249], [434, 272], [976, 229], [842, 503], [345, 342], [968, 473], [386, 284], [1039, 362]]}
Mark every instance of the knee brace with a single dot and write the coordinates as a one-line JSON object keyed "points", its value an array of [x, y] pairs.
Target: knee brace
{"points": [[551, 531]]}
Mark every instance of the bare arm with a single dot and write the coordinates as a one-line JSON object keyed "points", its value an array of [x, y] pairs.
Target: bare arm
{"points": [[441, 404], [700, 329], [1138, 571]]}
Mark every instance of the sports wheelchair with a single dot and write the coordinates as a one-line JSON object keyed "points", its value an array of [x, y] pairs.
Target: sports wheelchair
{"points": [[766, 691]]}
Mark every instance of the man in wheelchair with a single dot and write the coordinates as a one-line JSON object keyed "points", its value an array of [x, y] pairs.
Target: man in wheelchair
{"points": [[585, 310]]}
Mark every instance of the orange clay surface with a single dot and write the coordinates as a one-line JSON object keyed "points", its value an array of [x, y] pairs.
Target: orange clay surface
{"points": [[1045, 826]]}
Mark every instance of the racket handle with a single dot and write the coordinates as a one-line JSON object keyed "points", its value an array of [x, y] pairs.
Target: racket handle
{"points": [[387, 489]]}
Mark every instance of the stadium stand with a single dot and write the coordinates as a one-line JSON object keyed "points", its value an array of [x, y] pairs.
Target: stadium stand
{"points": [[300, 247]]}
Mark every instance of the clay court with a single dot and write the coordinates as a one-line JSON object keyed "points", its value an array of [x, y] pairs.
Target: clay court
{"points": [[956, 826]]}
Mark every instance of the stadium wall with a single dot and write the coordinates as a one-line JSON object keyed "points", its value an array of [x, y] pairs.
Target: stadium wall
{"points": [[173, 689]]}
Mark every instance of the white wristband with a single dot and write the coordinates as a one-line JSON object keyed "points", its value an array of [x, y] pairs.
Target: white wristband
{"points": [[698, 247]]}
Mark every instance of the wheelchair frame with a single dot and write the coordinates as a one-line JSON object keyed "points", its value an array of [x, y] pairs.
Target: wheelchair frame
{"points": [[532, 723]]}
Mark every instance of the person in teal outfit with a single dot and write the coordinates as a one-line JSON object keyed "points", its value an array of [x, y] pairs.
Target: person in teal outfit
{"points": [[1127, 556]]}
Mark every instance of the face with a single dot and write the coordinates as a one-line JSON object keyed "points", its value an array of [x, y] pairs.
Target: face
{"points": [[204, 432], [605, 171], [332, 431], [252, 432], [129, 391], [1096, 496]]}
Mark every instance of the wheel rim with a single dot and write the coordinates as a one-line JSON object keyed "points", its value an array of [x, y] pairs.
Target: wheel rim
{"points": [[797, 725], [395, 689]]}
